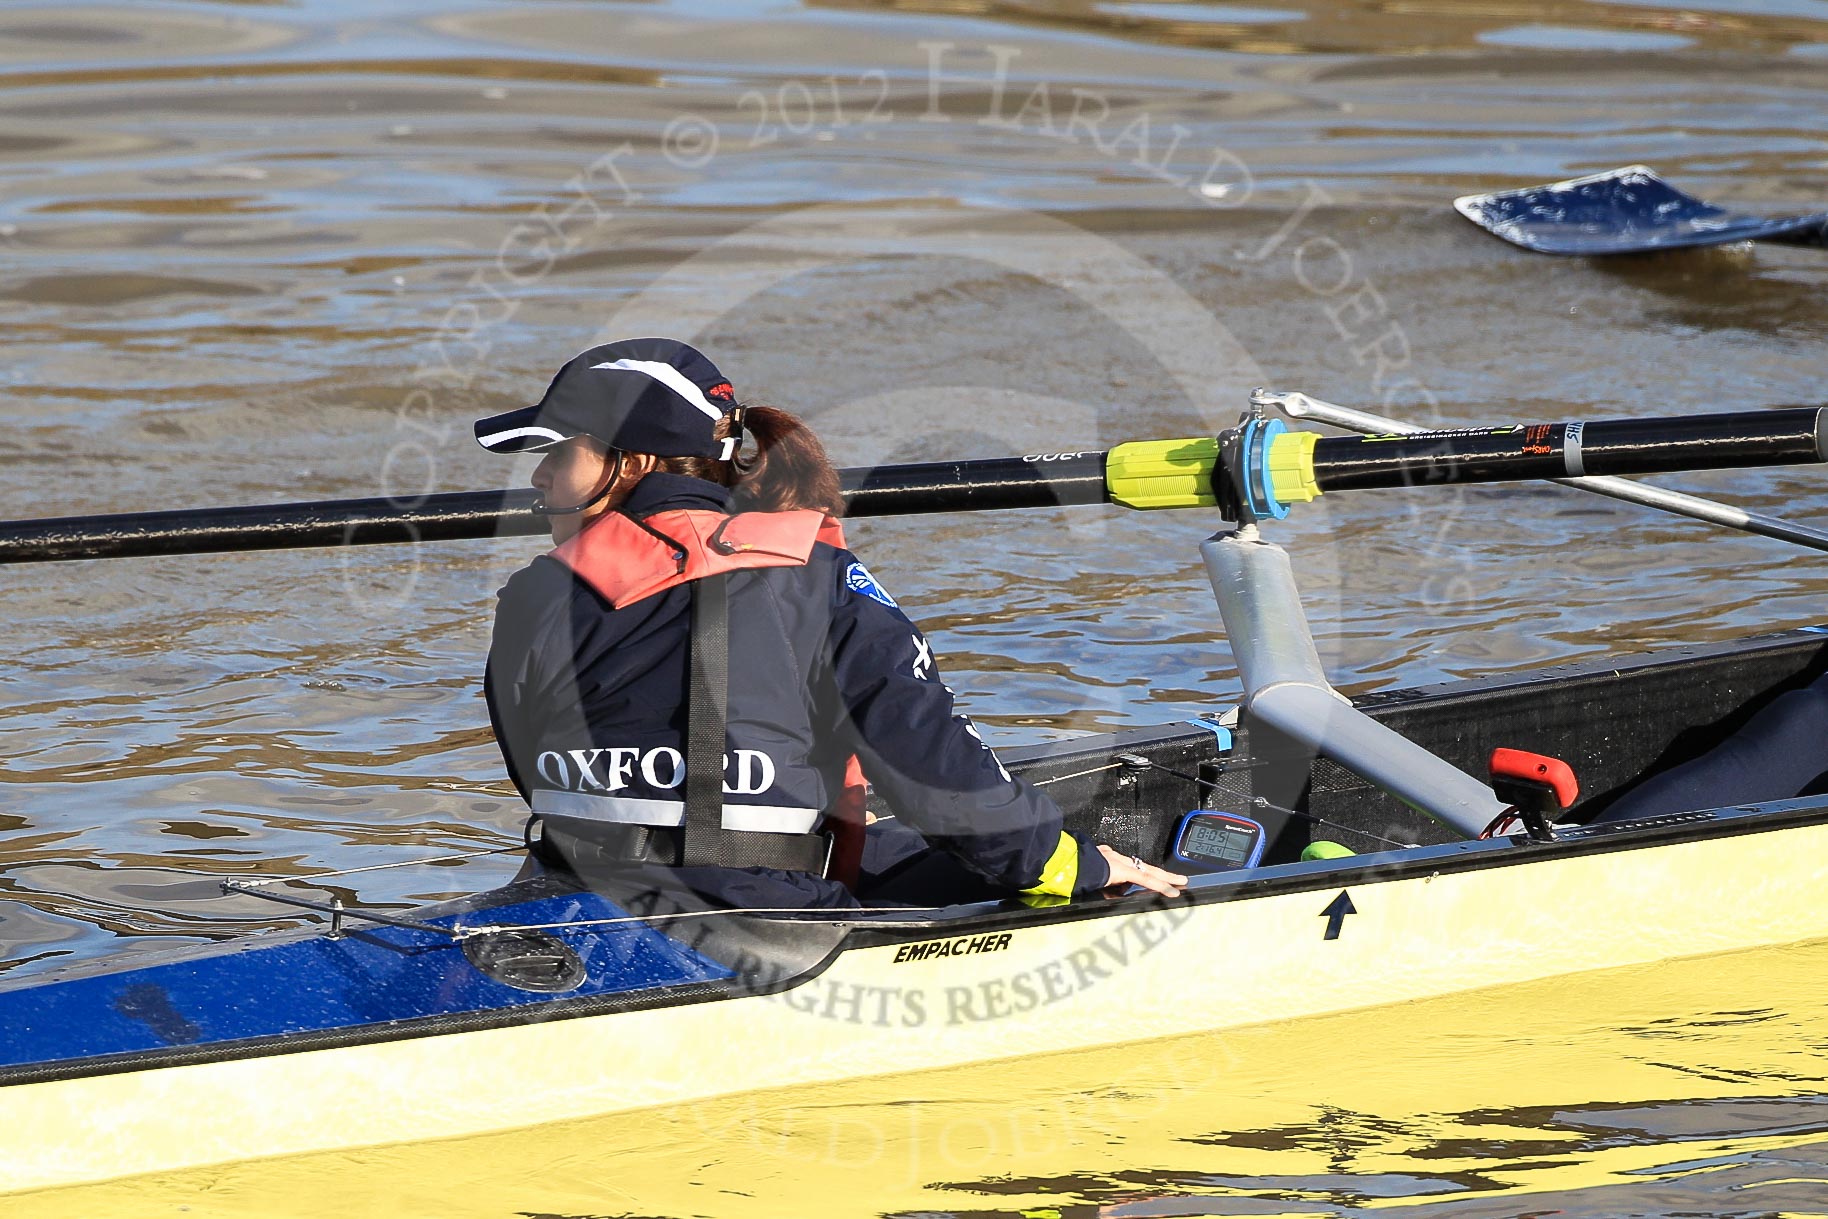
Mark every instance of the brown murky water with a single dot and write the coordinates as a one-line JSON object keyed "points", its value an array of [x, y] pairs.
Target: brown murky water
{"points": [[255, 253]]}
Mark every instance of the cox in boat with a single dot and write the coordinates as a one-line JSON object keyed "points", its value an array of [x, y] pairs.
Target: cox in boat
{"points": [[1338, 853]]}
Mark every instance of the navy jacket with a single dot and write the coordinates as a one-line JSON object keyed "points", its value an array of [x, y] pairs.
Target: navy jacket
{"points": [[588, 704]]}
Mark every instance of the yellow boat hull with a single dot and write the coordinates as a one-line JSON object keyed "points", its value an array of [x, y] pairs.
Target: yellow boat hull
{"points": [[1077, 982]]}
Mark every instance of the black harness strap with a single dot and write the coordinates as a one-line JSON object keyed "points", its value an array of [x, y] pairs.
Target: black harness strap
{"points": [[707, 709], [707, 842]]}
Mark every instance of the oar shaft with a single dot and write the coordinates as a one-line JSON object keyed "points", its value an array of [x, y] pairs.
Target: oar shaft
{"points": [[1301, 406], [962, 486], [1145, 474], [349, 522], [1569, 450], [951, 486], [1815, 236]]}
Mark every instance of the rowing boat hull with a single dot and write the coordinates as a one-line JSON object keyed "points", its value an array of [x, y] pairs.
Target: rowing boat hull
{"points": [[1273, 948]]}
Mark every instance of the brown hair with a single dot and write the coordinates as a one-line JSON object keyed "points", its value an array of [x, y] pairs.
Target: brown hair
{"points": [[787, 467]]}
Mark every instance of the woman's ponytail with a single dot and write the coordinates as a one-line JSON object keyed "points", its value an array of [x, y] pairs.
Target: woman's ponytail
{"points": [[780, 466], [788, 468]]}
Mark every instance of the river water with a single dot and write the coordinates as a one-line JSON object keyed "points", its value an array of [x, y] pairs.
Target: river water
{"points": [[263, 253]]}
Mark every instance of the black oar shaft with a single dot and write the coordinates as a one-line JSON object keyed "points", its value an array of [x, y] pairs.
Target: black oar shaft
{"points": [[952, 486], [1569, 450], [1558, 450], [349, 522]]}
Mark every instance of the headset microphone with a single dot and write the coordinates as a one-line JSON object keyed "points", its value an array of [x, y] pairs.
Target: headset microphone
{"points": [[539, 507]]}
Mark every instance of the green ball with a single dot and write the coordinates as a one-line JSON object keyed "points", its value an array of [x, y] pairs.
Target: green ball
{"points": [[1324, 850]]}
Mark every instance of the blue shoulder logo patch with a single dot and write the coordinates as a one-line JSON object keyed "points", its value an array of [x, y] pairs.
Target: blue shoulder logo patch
{"points": [[858, 579]]}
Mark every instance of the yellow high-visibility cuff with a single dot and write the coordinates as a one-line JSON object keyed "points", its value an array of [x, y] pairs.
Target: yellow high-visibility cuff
{"points": [[1162, 473], [1291, 467], [1060, 873], [1178, 473]]}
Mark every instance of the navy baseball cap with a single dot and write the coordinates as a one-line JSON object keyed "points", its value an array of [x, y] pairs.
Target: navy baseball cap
{"points": [[656, 396]]}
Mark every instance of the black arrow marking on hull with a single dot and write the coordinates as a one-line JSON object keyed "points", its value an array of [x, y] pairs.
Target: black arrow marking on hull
{"points": [[1335, 913]]}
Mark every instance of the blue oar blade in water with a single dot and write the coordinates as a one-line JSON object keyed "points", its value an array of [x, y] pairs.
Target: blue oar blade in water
{"points": [[1625, 211]]}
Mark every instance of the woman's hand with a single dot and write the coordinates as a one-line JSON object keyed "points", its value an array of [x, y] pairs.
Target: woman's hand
{"points": [[1127, 870]]}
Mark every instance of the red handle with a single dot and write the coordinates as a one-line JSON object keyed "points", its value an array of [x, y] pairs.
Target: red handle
{"points": [[1535, 768]]}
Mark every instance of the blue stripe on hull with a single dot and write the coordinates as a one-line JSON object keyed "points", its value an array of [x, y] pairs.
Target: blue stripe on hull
{"points": [[368, 977]]}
